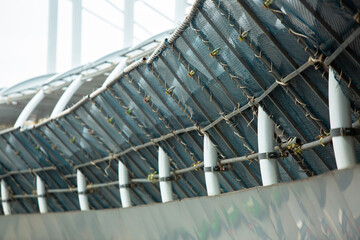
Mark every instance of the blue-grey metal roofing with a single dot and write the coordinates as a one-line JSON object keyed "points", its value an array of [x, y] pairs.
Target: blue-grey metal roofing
{"points": [[281, 38]]}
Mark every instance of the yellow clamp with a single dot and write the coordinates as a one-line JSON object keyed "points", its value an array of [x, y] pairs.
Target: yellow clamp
{"points": [[194, 165], [243, 35], [111, 120], [146, 99], [151, 177], [191, 73], [214, 52], [267, 4], [170, 90]]}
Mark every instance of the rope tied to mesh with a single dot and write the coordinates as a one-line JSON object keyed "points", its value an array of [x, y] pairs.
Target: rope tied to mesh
{"points": [[281, 82], [357, 16], [298, 34], [112, 156], [316, 61], [282, 151], [260, 54], [107, 167], [199, 129], [321, 136], [32, 171], [247, 158]]}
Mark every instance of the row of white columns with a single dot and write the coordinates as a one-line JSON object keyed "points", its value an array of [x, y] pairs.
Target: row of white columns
{"points": [[340, 117]]}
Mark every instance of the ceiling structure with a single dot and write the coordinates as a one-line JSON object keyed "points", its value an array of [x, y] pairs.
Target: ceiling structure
{"points": [[13, 99], [208, 77]]}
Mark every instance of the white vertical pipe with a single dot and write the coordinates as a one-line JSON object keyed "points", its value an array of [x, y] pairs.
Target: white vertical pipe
{"points": [[210, 160], [180, 7], [123, 181], [128, 22], [340, 117], [52, 36], [67, 95], [29, 108], [164, 171], [76, 32], [266, 129], [81, 187], [5, 198], [40, 189]]}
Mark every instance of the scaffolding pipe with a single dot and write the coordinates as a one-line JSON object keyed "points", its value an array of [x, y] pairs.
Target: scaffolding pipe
{"points": [[124, 185], [266, 130], [67, 95], [5, 198], [29, 108], [195, 167], [32, 170], [128, 23], [81, 186], [41, 193], [210, 161], [52, 36], [76, 33], [340, 117], [164, 173]]}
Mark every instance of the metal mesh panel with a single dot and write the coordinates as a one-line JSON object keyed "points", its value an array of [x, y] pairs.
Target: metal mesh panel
{"points": [[184, 98], [197, 77]]}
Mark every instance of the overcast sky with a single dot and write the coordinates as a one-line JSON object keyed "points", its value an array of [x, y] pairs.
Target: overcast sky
{"points": [[24, 26]]}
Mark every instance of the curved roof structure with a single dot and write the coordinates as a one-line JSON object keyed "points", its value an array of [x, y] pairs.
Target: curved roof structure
{"points": [[208, 77], [14, 98]]}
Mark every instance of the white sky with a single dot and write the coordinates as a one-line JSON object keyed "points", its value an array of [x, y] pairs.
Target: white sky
{"points": [[23, 33]]}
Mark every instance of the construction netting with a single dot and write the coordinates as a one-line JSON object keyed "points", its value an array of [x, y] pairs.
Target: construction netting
{"points": [[209, 77]]}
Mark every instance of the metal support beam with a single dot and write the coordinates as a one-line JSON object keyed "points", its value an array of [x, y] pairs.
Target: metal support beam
{"points": [[29, 108], [128, 23], [116, 72], [5, 198], [66, 96], [81, 187], [76, 33], [266, 130], [164, 173], [340, 117], [52, 36], [40, 190], [210, 161], [124, 185]]}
